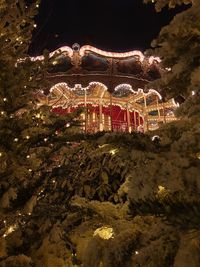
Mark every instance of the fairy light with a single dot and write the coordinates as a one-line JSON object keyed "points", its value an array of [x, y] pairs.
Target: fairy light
{"points": [[28, 156], [45, 139], [5, 99], [1, 154], [27, 137], [38, 115], [35, 25], [193, 92], [30, 170], [16, 140], [136, 252], [2, 112]]}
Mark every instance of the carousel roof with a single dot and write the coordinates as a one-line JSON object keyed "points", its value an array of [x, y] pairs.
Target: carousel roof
{"points": [[82, 65], [81, 75]]}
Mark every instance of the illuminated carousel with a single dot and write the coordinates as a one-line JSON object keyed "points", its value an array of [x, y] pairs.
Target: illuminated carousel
{"points": [[110, 86]]}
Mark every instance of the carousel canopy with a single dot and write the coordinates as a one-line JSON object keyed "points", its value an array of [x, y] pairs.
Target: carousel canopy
{"points": [[88, 76]]}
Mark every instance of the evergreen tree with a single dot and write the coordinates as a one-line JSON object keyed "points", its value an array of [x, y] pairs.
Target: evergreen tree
{"points": [[165, 182], [102, 200], [31, 136]]}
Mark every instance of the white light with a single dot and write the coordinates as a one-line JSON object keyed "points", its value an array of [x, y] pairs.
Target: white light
{"points": [[136, 252], [84, 49], [2, 112], [27, 137], [193, 92], [28, 156], [45, 139], [30, 170], [16, 140], [0, 154], [5, 99], [68, 125], [155, 137], [35, 25]]}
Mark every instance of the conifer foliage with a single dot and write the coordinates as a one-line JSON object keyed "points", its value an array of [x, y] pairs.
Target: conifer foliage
{"points": [[103, 200]]}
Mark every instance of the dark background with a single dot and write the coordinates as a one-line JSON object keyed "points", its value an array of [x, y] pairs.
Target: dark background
{"points": [[112, 25]]}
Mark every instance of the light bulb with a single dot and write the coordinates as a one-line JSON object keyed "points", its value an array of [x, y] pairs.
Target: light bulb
{"points": [[38, 115]]}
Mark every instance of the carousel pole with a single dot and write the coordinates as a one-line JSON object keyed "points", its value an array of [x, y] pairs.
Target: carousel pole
{"points": [[135, 120], [100, 115], [85, 105], [111, 113], [128, 118], [146, 126]]}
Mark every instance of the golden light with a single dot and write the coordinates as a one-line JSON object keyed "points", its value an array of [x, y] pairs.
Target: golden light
{"points": [[11, 229], [113, 151], [104, 232], [38, 115], [161, 189]]}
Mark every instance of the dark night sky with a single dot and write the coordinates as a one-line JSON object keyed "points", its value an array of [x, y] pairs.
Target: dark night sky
{"points": [[112, 25]]}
